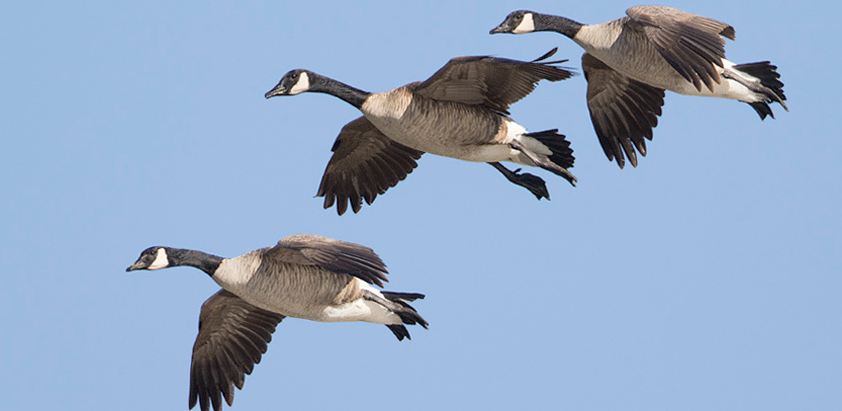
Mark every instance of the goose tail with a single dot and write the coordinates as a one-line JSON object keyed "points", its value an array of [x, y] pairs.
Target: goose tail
{"points": [[561, 157], [768, 85], [398, 303]]}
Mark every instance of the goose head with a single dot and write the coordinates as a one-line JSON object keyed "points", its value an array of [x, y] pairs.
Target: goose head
{"points": [[152, 258], [517, 22], [294, 82]]}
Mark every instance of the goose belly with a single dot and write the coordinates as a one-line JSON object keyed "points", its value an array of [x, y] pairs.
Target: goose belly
{"points": [[439, 127], [359, 310]]}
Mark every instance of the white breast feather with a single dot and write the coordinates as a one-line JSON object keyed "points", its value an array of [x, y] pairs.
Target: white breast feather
{"points": [[386, 106], [236, 272]]}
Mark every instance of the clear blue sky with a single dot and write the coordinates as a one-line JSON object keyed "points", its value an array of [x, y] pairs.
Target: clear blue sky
{"points": [[706, 279]]}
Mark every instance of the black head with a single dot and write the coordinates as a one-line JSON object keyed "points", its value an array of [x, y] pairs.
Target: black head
{"points": [[152, 258], [516, 22], [295, 82]]}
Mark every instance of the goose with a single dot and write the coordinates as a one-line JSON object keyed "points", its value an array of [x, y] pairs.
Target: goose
{"points": [[303, 276], [461, 112], [629, 62]]}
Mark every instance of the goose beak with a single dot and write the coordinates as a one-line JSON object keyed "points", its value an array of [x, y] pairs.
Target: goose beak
{"points": [[135, 266], [498, 29], [277, 91]]}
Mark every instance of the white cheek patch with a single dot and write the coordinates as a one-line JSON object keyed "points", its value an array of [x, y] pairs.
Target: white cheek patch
{"points": [[302, 85], [527, 25], [161, 260]]}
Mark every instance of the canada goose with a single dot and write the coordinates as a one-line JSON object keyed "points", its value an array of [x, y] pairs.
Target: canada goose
{"points": [[629, 62], [303, 276], [459, 112]]}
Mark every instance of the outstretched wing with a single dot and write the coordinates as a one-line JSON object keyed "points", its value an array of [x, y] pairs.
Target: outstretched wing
{"points": [[365, 163], [331, 255], [233, 335], [623, 111], [490, 81], [691, 44]]}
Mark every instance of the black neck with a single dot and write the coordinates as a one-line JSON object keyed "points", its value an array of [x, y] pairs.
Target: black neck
{"points": [[351, 95], [203, 261], [558, 24]]}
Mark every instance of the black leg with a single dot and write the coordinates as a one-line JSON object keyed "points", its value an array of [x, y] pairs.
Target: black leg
{"points": [[531, 182]]}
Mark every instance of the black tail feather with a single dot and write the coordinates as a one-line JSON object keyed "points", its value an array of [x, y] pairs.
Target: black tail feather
{"points": [[400, 331], [560, 159], [399, 304], [405, 311], [394, 295], [768, 75], [557, 143], [770, 86], [762, 109]]}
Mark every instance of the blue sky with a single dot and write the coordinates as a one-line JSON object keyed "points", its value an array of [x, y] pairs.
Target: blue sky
{"points": [[706, 278]]}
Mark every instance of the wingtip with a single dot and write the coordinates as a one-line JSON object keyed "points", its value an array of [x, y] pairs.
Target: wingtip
{"points": [[546, 55]]}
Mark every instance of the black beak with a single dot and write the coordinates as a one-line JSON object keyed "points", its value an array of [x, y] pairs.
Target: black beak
{"points": [[277, 91], [498, 29]]}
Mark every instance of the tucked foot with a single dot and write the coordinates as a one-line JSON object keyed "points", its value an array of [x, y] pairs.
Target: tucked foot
{"points": [[531, 182]]}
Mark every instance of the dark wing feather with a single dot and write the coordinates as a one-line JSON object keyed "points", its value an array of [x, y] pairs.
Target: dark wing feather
{"points": [[331, 255], [623, 111], [490, 81], [691, 44], [365, 163], [233, 335]]}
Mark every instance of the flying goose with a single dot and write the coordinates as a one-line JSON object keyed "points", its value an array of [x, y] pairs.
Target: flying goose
{"points": [[303, 276], [629, 62], [459, 112]]}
